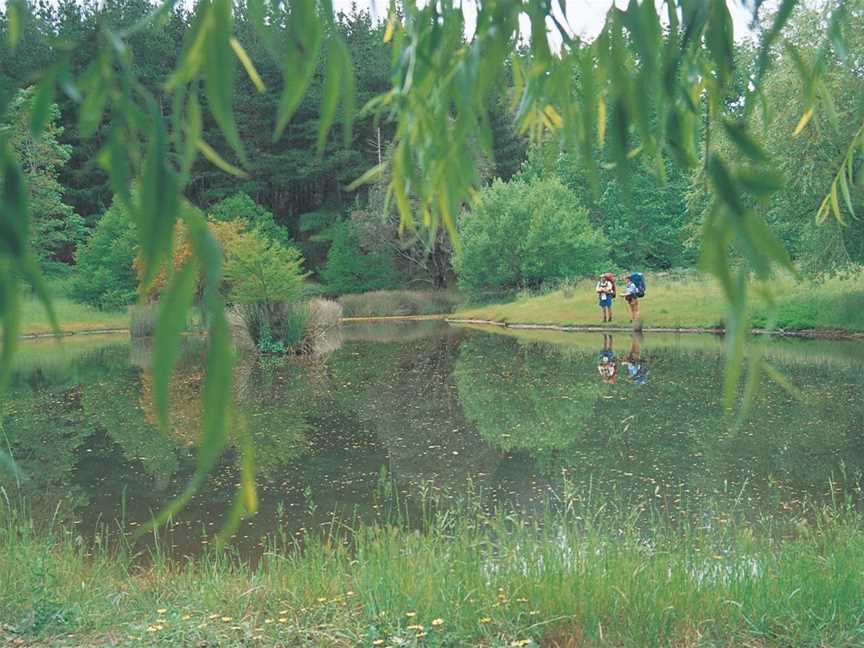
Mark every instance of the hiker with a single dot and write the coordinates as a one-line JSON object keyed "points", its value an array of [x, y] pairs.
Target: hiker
{"points": [[637, 371], [606, 363], [606, 293], [633, 291]]}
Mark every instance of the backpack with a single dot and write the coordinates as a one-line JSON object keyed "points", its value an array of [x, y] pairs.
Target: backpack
{"points": [[611, 279], [638, 280]]}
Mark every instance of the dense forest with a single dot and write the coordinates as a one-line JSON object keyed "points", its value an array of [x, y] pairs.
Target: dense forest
{"points": [[351, 239]]}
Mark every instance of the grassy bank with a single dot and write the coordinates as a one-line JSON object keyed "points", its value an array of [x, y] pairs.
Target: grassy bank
{"points": [[73, 316], [384, 303], [690, 302], [573, 581]]}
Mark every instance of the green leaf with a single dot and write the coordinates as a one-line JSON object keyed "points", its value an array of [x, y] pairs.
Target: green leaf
{"points": [[737, 132], [724, 184], [219, 74], [173, 307], [40, 109], [302, 46], [10, 312], [158, 204], [210, 153], [14, 209], [844, 188], [248, 65], [370, 175], [760, 182], [330, 101], [13, 23]]}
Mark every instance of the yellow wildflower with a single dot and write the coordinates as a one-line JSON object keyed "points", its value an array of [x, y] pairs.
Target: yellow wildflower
{"points": [[186, 617], [437, 622], [321, 600], [420, 634], [415, 626], [268, 620], [283, 620], [161, 610], [485, 620], [226, 619], [378, 642], [410, 614], [520, 642]]}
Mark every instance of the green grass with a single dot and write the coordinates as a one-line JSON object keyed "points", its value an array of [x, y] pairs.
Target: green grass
{"points": [[695, 301], [73, 316], [576, 579]]}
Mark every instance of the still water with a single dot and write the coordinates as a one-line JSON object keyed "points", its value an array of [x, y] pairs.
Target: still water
{"points": [[433, 410]]}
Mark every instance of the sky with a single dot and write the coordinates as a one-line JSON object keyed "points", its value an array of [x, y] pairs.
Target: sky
{"points": [[585, 17]]}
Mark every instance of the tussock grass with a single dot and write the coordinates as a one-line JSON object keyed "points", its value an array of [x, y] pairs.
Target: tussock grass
{"points": [[574, 578], [690, 301], [383, 303]]}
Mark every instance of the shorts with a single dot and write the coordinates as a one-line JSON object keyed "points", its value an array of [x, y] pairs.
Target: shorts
{"points": [[605, 301], [630, 298]]}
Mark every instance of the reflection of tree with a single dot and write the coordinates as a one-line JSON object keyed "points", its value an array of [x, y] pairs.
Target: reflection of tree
{"points": [[110, 399], [526, 396], [45, 429], [405, 393], [270, 402]]}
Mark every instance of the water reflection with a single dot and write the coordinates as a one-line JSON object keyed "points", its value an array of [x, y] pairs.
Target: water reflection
{"points": [[432, 408]]}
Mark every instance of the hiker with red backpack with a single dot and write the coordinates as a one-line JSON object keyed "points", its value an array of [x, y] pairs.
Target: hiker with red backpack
{"points": [[606, 293]]}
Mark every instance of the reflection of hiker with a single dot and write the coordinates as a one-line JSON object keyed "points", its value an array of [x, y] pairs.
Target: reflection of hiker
{"points": [[606, 364], [606, 293], [633, 291], [637, 371]]}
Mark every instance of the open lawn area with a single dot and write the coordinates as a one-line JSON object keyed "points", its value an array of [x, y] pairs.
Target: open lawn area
{"points": [[72, 316], [695, 301]]}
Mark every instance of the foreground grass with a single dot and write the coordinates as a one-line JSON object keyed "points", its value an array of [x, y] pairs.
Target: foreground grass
{"points": [[72, 316], [691, 302], [464, 581]]}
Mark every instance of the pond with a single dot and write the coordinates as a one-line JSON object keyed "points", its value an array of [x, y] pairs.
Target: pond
{"points": [[427, 409]]}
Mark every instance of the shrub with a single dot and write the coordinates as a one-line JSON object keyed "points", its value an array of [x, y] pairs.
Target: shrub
{"points": [[104, 275], [240, 207], [522, 234], [399, 302], [288, 327], [258, 270], [351, 270], [142, 319]]}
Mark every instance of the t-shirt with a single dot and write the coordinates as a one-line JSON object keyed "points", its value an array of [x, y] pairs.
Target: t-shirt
{"points": [[604, 288]]}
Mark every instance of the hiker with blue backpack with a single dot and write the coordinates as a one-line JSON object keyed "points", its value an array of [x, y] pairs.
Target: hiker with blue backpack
{"points": [[633, 292]]}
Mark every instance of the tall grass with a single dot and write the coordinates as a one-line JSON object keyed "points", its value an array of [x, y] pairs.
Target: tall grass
{"points": [[383, 303], [578, 577]]}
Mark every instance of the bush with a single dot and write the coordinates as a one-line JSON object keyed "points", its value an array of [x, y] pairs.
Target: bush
{"points": [[262, 271], [242, 208], [351, 270], [522, 234], [399, 302], [104, 275], [142, 319], [288, 327]]}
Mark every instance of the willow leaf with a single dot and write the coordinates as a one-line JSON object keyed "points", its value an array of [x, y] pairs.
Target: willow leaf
{"points": [[40, 109], [173, 308]]}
